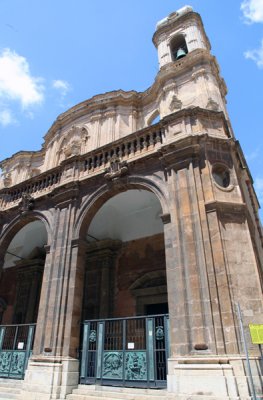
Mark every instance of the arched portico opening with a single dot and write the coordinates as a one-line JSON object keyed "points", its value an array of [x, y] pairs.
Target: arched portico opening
{"points": [[23, 258], [22, 273], [125, 302], [125, 243]]}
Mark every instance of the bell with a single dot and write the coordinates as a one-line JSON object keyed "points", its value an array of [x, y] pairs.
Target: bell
{"points": [[180, 53]]}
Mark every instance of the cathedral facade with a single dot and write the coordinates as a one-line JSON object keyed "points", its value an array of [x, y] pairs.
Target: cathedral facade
{"points": [[130, 244]]}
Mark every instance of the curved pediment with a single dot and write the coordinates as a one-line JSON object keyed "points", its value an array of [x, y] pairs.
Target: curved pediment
{"points": [[72, 142]]}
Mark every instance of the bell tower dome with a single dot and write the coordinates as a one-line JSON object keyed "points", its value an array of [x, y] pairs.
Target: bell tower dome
{"points": [[179, 34]]}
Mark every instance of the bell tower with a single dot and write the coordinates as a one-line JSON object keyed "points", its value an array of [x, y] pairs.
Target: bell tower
{"points": [[179, 34], [184, 58], [213, 205]]}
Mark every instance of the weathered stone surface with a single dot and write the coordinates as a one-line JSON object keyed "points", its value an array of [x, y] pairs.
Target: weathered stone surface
{"points": [[208, 257]]}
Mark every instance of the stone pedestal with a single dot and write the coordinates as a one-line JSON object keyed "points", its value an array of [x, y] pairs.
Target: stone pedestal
{"points": [[202, 378], [50, 378]]}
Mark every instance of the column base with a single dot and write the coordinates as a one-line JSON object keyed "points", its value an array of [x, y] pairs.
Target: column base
{"points": [[50, 378], [207, 378]]}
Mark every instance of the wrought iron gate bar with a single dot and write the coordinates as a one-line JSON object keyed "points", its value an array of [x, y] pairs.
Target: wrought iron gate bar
{"points": [[16, 342], [125, 351], [126, 318]]}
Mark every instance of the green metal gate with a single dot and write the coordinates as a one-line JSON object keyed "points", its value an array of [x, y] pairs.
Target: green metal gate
{"points": [[16, 343], [125, 352]]}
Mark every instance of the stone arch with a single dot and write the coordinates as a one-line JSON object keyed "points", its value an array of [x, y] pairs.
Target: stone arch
{"points": [[99, 197], [148, 278], [16, 225], [150, 288], [23, 254], [153, 117], [118, 223]]}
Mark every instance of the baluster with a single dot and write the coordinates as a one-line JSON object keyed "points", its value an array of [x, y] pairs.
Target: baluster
{"points": [[151, 140], [125, 150], [122, 151], [88, 164], [107, 159], [144, 143], [103, 159], [92, 164], [158, 137], [162, 135], [132, 147]]}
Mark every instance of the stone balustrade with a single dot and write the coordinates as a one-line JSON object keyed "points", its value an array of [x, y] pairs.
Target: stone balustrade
{"points": [[81, 167]]}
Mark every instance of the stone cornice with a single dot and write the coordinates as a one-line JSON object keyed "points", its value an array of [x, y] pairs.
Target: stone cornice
{"points": [[137, 100], [133, 98], [60, 184], [31, 155], [179, 22], [226, 206]]}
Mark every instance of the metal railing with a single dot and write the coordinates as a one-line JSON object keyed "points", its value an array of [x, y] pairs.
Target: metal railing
{"points": [[16, 343]]}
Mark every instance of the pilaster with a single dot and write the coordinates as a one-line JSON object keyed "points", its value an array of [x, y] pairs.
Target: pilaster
{"points": [[53, 368]]}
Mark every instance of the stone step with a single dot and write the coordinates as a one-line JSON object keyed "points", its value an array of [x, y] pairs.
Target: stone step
{"points": [[10, 389], [112, 396], [91, 392], [4, 396], [6, 389], [10, 382]]}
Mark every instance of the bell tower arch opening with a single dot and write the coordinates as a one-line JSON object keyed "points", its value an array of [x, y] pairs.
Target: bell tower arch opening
{"points": [[178, 47]]}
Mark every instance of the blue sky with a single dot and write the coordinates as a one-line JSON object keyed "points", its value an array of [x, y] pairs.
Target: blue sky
{"points": [[57, 53]]}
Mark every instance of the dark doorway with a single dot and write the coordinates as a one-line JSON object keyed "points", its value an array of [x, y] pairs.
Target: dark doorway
{"points": [[155, 309]]}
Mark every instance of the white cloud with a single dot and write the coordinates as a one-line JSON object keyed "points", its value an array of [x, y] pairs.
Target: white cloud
{"points": [[256, 55], [62, 86], [16, 82], [6, 117], [252, 10]]}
